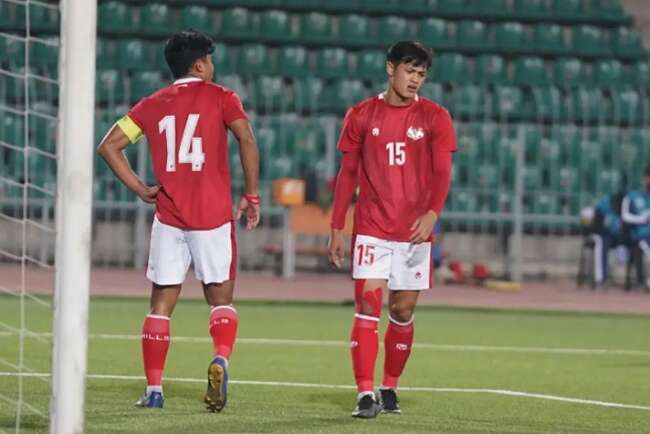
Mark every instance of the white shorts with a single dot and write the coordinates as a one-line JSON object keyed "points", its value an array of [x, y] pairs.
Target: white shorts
{"points": [[405, 265], [213, 253]]}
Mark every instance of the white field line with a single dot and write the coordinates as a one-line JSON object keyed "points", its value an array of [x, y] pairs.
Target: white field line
{"points": [[329, 343], [513, 393]]}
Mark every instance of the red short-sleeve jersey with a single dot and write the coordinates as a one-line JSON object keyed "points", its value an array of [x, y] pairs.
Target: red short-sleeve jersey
{"points": [[396, 173], [186, 127]]}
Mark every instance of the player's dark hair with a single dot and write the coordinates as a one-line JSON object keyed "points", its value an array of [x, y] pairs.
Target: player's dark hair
{"points": [[184, 48], [411, 52]]}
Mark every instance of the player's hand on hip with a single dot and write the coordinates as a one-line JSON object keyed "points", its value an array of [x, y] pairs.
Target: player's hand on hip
{"points": [[250, 210], [423, 226], [148, 194], [335, 248]]}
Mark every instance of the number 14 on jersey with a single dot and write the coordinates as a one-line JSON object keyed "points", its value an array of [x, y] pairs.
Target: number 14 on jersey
{"points": [[195, 156]]}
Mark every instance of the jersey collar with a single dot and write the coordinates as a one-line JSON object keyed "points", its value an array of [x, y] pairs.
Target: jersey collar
{"points": [[187, 80], [383, 96]]}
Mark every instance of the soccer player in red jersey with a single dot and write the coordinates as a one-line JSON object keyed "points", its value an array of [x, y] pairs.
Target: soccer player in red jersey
{"points": [[398, 148], [186, 125]]}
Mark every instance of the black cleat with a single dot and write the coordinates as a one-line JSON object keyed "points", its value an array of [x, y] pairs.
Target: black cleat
{"points": [[367, 407], [389, 401]]}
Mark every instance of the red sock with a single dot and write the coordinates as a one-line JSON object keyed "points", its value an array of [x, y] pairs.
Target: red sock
{"points": [[223, 329], [155, 343], [397, 347], [364, 344]]}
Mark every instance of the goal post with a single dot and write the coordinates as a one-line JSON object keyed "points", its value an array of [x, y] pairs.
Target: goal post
{"points": [[75, 145]]}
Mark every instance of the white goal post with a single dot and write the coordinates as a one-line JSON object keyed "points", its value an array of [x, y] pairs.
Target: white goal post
{"points": [[75, 146]]}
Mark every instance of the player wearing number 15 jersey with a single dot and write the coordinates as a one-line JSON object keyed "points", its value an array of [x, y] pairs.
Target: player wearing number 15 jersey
{"points": [[397, 147], [186, 125]]}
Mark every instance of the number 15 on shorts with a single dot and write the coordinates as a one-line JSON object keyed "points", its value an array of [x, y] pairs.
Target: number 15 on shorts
{"points": [[365, 254]]}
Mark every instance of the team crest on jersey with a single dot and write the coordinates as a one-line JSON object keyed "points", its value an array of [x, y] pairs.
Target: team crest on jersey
{"points": [[375, 132], [415, 133]]}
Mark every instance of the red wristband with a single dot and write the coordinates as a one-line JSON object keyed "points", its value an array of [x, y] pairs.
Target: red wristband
{"points": [[252, 198]]}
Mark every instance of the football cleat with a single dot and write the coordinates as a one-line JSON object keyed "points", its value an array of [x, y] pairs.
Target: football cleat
{"points": [[217, 392], [367, 407], [389, 401], [152, 400]]}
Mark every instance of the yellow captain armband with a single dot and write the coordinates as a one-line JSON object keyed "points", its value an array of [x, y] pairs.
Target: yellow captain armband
{"points": [[130, 128]]}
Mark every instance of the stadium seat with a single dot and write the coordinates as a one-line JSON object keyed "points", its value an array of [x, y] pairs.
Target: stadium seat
{"points": [[268, 94], [310, 140], [115, 17], [239, 23], [510, 37], [12, 128], [371, 65], [354, 30], [467, 101], [549, 153], [316, 27], [234, 82], [607, 73], [109, 86], [435, 33], [529, 71], [14, 54], [392, 29], [589, 41], [413, 7], [308, 94], [532, 142], [495, 8], [545, 203], [568, 9], [569, 72], [549, 39], [486, 177], [491, 68], [588, 105], [276, 26], [222, 59], [253, 60], [531, 9], [293, 61], [508, 103], [453, 7], [549, 103], [43, 19], [340, 95], [105, 52], [279, 167], [132, 54], [606, 9], [626, 42], [144, 83], [156, 19], [472, 35], [45, 54], [197, 17], [639, 74], [463, 201], [434, 91], [378, 6], [626, 106], [332, 63], [451, 67]]}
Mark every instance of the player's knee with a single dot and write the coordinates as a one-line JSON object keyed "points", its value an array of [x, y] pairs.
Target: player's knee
{"points": [[367, 301], [402, 312]]}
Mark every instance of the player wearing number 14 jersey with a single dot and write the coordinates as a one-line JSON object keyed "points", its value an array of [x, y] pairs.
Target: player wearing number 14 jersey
{"points": [[186, 125], [397, 147]]}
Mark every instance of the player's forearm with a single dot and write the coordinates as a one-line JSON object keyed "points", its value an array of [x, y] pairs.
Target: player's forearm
{"points": [[442, 177], [250, 161], [119, 164], [346, 183]]}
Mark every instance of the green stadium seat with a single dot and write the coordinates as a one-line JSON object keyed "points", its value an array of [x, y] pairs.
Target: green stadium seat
{"points": [[293, 61], [276, 26], [451, 67], [332, 63], [239, 23], [607, 73], [378, 6], [549, 153], [639, 74], [234, 82], [549, 103], [308, 94], [197, 17], [454, 7], [434, 91], [222, 59], [253, 60], [510, 37], [486, 177], [531, 9], [14, 54], [268, 94], [467, 101], [45, 54], [333, 5], [569, 72], [530, 71], [435, 33], [354, 30], [156, 19], [495, 8], [532, 142], [6, 15], [491, 68], [627, 106], [310, 140], [105, 52], [545, 203], [549, 39], [508, 103], [609, 181], [392, 29], [109, 86], [12, 128], [132, 54], [463, 201], [589, 41], [568, 9], [144, 83], [316, 27], [588, 104], [606, 9], [626, 42], [371, 65], [43, 19], [279, 167], [421, 7], [115, 17], [472, 35], [340, 95]]}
